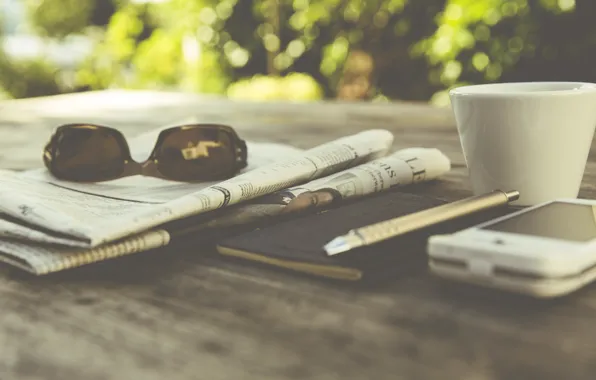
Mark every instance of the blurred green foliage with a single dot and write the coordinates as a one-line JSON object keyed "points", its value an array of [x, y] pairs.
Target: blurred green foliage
{"points": [[28, 78], [59, 18], [309, 49]]}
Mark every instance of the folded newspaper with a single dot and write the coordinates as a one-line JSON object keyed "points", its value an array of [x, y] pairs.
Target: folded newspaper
{"points": [[49, 225]]}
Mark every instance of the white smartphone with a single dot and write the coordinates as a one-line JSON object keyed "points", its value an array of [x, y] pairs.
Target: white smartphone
{"points": [[546, 250]]}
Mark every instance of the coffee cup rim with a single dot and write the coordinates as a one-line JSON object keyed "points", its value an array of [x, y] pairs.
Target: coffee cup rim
{"points": [[525, 89]]}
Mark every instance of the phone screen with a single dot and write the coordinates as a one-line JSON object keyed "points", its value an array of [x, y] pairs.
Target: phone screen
{"points": [[557, 220]]}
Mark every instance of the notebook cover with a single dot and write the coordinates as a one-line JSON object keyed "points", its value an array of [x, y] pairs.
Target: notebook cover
{"points": [[297, 244]]}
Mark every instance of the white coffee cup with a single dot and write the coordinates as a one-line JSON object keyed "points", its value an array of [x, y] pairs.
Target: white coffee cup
{"points": [[533, 137]]}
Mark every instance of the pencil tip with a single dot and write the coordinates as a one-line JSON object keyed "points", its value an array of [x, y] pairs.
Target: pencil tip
{"points": [[336, 246]]}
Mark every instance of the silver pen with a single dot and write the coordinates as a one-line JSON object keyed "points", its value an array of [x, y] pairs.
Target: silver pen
{"points": [[380, 231]]}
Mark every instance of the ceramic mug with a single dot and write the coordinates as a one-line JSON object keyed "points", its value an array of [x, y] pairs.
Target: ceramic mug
{"points": [[533, 137]]}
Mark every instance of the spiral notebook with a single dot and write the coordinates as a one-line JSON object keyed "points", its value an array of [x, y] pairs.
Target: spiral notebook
{"points": [[297, 244]]}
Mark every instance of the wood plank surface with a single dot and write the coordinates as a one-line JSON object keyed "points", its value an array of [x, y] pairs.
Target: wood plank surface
{"points": [[188, 314]]}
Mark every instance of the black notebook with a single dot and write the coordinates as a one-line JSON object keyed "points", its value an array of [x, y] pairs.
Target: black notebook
{"points": [[297, 244]]}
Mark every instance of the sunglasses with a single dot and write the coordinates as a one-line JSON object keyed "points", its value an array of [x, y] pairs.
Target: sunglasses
{"points": [[195, 152]]}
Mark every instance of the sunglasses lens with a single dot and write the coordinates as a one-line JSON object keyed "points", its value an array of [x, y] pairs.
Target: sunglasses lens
{"points": [[197, 153], [87, 153]]}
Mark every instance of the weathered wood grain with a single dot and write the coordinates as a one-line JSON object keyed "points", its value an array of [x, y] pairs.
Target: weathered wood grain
{"points": [[187, 314]]}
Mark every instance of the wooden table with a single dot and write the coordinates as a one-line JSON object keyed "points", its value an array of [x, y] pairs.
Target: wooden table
{"points": [[192, 315]]}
